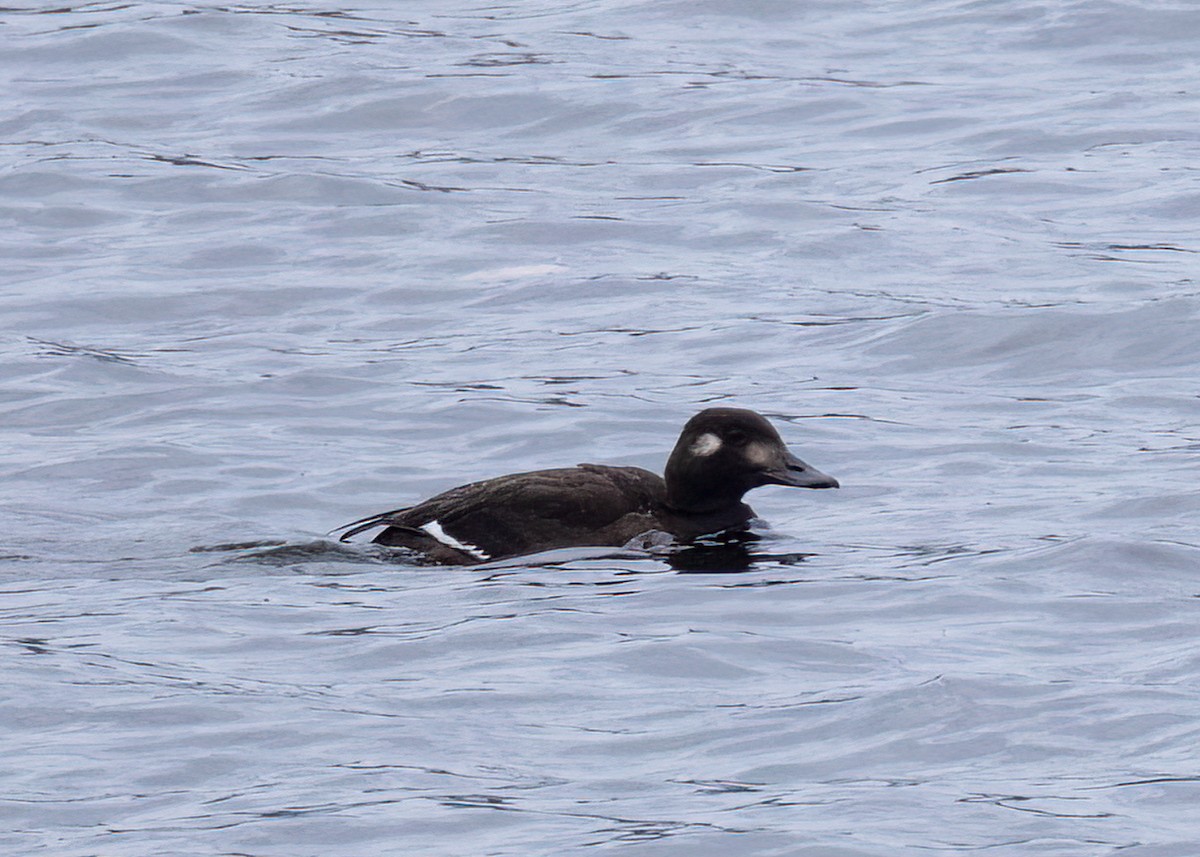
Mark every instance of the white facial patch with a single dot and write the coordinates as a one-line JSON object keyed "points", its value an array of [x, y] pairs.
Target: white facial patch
{"points": [[435, 529], [759, 453], [706, 444]]}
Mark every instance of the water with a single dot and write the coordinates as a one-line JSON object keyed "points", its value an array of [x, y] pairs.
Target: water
{"points": [[270, 268]]}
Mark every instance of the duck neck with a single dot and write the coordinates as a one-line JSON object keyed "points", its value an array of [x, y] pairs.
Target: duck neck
{"points": [[692, 496], [690, 520]]}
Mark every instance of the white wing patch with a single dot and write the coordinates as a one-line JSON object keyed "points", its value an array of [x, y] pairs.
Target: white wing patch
{"points": [[706, 444], [435, 529]]}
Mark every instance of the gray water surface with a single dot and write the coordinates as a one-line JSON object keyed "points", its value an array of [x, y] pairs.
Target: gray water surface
{"points": [[268, 268]]}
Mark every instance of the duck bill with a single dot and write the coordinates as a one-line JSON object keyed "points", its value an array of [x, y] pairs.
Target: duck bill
{"points": [[797, 474]]}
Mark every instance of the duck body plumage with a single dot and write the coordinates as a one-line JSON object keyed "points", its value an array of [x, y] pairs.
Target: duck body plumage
{"points": [[721, 454]]}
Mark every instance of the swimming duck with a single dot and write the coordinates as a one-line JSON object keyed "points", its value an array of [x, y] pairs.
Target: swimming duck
{"points": [[721, 454]]}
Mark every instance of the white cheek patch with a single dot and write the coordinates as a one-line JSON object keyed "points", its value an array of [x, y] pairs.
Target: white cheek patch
{"points": [[759, 454], [706, 444], [435, 529]]}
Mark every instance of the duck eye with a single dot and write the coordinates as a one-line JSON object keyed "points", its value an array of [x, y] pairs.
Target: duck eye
{"points": [[737, 438]]}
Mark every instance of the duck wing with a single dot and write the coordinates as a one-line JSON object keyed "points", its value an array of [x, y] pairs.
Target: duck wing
{"points": [[525, 513]]}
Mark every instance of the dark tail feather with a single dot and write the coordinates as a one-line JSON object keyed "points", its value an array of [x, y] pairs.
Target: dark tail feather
{"points": [[383, 519]]}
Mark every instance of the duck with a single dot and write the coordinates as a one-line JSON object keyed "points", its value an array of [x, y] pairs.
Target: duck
{"points": [[721, 454]]}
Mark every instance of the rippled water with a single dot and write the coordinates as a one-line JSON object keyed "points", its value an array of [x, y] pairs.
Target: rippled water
{"points": [[268, 268]]}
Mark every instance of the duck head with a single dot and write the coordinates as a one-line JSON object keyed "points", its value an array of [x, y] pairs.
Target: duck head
{"points": [[724, 452]]}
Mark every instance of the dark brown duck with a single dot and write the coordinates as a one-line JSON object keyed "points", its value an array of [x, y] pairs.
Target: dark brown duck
{"points": [[721, 454]]}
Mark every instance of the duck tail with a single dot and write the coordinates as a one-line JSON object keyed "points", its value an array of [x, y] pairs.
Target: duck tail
{"points": [[383, 519]]}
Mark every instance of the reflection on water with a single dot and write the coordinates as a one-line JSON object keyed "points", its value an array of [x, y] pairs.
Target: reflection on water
{"points": [[729, 554]]}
